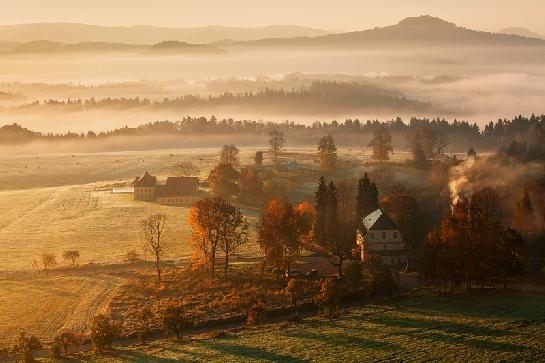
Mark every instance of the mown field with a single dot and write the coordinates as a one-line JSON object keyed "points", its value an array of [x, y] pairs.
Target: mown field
{"points": [[503, 326], [42, 306]]}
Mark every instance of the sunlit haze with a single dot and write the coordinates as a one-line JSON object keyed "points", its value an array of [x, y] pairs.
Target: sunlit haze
{"points": [[343, 15]]}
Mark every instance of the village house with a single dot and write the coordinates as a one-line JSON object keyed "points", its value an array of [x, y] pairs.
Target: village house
{"points": [[380, 236], [176, 191]]}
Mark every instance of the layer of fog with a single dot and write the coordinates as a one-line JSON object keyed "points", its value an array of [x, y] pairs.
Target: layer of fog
{"points": [[488, 83], [479, 98]]}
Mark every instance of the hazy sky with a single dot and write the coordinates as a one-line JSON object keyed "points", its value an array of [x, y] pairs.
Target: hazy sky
{"points": [[331, 15]]}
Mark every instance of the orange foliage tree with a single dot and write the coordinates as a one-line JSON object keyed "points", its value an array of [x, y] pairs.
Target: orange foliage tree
{"points": [[217, 225], [282, 229]]}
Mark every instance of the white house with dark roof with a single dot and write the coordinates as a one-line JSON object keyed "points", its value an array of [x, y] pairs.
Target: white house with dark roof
{"points": [[379, 235]]}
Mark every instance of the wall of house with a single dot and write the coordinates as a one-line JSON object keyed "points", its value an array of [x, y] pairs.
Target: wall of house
{"points": [[178, 200], [388, 244], [144, 193]]}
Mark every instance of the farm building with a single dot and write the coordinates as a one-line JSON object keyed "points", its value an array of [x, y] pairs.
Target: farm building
{"points": [[176, 190], [380, 236]]}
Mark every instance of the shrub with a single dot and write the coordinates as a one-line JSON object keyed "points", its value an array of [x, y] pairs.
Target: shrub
{"points": [[144, 317], [67, 340], [132, 256], [174, 318], [56, 350], [329, 297], [257, 314], [294, 291], [26, 345], [383, 283], [354, 275], [103, 332]]}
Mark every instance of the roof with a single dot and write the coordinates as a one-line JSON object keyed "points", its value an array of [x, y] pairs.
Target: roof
{"points": [[378, 220], [178, 185], [146, 181]]}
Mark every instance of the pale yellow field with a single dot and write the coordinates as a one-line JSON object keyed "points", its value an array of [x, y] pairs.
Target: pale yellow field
{"points": [[53, 203], [42, 306]]}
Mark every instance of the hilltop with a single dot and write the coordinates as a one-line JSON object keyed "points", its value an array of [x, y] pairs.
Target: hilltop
{"points": [[410, 32]]}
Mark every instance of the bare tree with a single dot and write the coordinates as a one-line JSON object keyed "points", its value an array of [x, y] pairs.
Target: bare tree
{"points": [[48, 261], [229, 155], [71, 256], [276, 142], [154, 229]]}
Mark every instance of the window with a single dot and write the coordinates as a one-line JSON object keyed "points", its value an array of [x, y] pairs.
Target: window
{"points": [[383, 235], [372, 235]]}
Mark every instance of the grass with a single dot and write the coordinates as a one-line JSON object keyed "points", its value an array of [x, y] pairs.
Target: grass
{"points": [[482, 326], [43, 306]]}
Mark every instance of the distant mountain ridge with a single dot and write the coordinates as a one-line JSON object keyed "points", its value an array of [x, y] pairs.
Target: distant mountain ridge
{"points": [[144, 34], [423, 30], [47, 46], [523, 32]]}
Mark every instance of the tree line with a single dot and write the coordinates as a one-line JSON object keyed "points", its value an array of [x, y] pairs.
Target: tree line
{"points": [[463, 133]]}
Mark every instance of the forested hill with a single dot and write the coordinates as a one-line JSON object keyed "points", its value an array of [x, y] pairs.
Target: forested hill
{"points": [[410, 32], [320, 98]]}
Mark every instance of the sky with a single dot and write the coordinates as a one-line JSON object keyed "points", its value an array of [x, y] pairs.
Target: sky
{"points": [[338, 15]]}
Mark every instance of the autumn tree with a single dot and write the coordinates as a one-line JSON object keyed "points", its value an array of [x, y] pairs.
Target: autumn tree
{"points": [[251, 186], [402, 206], [27, 345], [276, 143], [71, 256], [381, 143], [223, 180], [48, 261], [174, 318], [216, 225], [509, 257], [154, 230], [294, 292], [327, 152], [282, 229], [474, 243]]}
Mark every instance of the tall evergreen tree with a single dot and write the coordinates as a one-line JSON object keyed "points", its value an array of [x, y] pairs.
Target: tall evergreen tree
{"points": [[366, 198], [320, 198]]}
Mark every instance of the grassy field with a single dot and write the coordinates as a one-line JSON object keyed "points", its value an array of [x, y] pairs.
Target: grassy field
{"points": [[485, 326], [43, 306], [53, 203]]}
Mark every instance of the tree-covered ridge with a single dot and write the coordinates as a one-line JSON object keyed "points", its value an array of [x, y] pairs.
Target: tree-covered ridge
{"points": [[319, 97], [494, 134]]}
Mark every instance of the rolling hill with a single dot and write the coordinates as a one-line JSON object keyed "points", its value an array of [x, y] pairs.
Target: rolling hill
{"points": [[410, 32]]}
